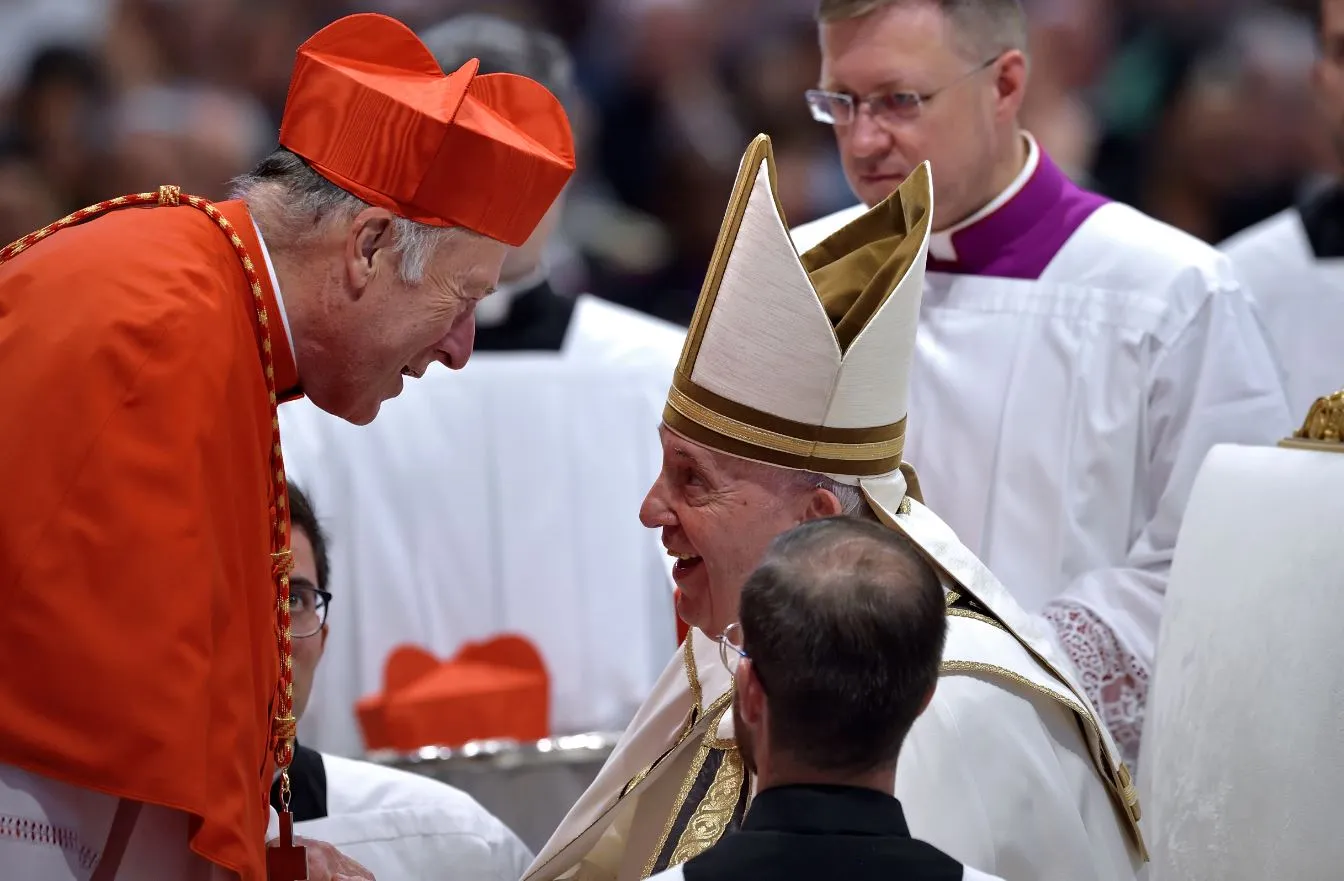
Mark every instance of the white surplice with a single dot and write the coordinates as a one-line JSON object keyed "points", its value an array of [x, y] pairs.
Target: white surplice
{"points": [[401, 825], [1300, 299], [1075, 360], [1007, 771], [1243, 753], [52, 831], [500, 498]]}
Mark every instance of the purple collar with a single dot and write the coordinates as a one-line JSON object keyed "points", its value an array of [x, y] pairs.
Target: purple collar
{"points": [[1021, 238]]}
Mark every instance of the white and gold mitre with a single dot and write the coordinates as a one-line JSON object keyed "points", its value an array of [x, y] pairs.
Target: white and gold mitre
{"points": [[803, 361]]}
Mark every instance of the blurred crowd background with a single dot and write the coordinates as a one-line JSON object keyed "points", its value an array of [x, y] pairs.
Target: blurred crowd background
{"points": [[1199, 112]]}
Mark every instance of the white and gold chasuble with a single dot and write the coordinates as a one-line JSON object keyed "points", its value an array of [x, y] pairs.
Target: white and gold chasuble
{"points": [[801, 362]]}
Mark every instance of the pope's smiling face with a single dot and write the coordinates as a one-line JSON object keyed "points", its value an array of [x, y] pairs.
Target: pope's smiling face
{"points": [[718, 514]]}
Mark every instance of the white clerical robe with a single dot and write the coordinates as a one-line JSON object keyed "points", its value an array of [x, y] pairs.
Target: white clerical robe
{"points": [[1008, 770], [500, 498], [400, 825], [1300, 298], [1075, 360], [52, 831]]}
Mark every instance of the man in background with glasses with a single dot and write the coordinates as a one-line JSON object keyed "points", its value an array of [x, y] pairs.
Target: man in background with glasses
{"points": [[835, 656], [399, 825], [1075, 360]]}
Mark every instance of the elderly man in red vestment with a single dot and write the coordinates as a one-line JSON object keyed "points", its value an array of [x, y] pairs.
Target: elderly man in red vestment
{"points": [[144, 345]]}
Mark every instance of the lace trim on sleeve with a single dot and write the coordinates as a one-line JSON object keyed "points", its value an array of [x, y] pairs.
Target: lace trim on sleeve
{"points": [[1115, 681]]}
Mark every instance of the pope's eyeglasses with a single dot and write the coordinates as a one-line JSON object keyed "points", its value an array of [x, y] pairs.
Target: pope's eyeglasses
{"points": [[731, 652]]}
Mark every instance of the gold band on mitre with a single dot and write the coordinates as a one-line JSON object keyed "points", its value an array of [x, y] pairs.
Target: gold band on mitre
{"points": [[738, 430]]}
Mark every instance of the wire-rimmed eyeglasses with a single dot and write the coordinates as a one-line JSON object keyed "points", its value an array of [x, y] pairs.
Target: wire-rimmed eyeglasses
{"points": [[842, 108], [731, 652], [307, 610]]}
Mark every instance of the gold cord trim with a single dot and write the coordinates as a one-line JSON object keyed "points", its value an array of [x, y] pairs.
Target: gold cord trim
{"points": [[688, 658], [967, 613], [1128, 793]]}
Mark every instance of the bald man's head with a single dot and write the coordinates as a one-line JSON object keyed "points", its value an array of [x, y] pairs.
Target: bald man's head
{"points": [[844, 622]]}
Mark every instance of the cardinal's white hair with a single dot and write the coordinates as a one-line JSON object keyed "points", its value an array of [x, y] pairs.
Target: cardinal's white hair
{"points": [[293, 204]]}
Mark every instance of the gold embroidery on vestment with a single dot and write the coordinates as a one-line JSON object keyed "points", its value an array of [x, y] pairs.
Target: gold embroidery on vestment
{"points": [[708, 822], [715, 812]]}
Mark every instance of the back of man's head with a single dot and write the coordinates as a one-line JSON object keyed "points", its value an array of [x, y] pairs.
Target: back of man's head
{"points": [[504, 47], [983, 27], [844, 623]]}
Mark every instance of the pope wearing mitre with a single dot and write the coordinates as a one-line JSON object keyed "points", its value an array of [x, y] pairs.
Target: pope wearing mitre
{"points": [[789, 402]]}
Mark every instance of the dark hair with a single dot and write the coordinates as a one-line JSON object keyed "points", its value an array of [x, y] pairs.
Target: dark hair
{"points": [[504, 47], [57, 65], [845, 623], [64, 64], [302, 518]]}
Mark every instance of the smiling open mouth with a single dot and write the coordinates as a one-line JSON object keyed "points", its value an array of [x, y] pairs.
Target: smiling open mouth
{"points": [[407, 371], [685, 565]]}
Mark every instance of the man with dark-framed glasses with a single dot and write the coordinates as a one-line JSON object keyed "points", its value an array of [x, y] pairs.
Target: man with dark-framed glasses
{"points": [[399, 825], [1075, 358]]}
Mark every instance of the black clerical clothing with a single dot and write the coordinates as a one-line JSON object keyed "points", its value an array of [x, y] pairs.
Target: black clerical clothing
{"points": [[811, 833], [307, 785], [1322, 212], [537, 321]]}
